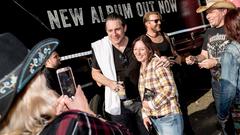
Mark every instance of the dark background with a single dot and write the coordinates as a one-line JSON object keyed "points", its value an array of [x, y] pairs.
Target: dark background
{"points": [[28, 21]]}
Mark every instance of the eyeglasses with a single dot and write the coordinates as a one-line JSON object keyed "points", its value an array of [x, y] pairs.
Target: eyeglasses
{"points": [[156, 20], [123, 58]]}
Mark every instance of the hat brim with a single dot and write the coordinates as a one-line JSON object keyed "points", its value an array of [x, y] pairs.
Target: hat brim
{"points": [[8, 91], [22, 74], [216, 5], [35, 60]]}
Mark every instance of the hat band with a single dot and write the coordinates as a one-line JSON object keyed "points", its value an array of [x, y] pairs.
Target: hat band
{"points": [[8, 83]]}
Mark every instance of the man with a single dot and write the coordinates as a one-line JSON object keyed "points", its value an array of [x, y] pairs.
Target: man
{"points": [[49, 71], [27, 106], [215, 42], [162, 44], [112, 59]]}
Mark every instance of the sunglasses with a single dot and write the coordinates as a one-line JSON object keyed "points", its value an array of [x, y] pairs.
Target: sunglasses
{"points": [[156, 20], [124, 59]]}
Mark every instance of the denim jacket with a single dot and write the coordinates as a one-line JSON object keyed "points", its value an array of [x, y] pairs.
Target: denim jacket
{"points": [[230, 79]]}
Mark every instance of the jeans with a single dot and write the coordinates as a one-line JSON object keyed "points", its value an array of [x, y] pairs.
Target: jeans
{"points": [[216, 94], [171, 124], [220, 96], [131, 117]]}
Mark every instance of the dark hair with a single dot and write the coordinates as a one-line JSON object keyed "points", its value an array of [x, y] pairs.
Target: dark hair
{"points": [[115, 16], [232, 24], [147, 42]]}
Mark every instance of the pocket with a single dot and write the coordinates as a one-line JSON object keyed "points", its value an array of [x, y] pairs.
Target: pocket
{"points": [[168, 120]]}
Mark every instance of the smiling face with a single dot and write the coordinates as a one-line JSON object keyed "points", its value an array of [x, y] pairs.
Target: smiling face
{"points": [[115, 31], [141, 52], [215, 17], [153, 23]]}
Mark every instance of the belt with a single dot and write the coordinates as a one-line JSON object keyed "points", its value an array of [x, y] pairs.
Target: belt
{"points": [[128, 102], [156, 117]]}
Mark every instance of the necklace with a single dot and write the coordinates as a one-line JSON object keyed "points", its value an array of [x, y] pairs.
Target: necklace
{"points": [[151, 35]]}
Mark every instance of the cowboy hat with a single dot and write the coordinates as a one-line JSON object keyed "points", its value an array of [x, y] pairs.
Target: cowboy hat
{"points": [[216, 4], [19, 66]]}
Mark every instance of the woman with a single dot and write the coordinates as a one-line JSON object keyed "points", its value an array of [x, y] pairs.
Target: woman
{"points": [[157, 90], [230, 72], [36, 109], [162, 44]]}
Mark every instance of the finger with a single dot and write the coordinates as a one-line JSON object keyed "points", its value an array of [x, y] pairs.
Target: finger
{"points": [[166, 64], [60, 106], [150, 123], [79, 91], [146, 126]]}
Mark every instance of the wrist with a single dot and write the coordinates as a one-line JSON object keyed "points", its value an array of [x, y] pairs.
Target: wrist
{"points": [[217, 61], [194, 59]]}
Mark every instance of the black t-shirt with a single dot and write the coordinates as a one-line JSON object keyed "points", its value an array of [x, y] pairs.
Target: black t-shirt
{"points": [[127, 68], [52, 80], [163, 48], [215, 43]]}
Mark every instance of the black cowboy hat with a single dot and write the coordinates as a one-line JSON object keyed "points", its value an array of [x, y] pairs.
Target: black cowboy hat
{"points": [[18, 66]]}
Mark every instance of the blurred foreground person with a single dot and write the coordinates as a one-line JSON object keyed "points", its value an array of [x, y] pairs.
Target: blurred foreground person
{"points": [[158, 91], [29, 107], [230, 73]]}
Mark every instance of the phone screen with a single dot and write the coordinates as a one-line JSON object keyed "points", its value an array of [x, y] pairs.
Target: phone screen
{"points": [[66, 81]]}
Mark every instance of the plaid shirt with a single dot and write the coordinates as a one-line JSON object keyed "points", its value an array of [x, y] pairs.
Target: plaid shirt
{"points": [[160, 81], [79, 123]]}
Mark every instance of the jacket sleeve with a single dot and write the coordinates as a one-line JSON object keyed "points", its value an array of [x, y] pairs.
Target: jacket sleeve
{"points": [[228, 83]]}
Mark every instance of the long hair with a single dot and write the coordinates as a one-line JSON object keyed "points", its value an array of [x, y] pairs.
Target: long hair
{"points": [[32, 110], [148, 44], [232, 24]]}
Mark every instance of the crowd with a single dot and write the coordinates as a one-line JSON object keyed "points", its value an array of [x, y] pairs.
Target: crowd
{"points": [[142, 79]]}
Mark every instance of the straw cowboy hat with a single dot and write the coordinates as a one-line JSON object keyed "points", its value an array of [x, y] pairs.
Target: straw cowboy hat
{"points": [[19, 66], [216, 4]]}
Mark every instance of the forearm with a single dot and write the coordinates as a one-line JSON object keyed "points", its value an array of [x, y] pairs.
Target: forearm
{"points": [[167, 89], [200, 58], [100, 78]]}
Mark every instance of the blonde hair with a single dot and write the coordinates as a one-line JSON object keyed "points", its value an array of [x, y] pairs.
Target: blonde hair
{"points": [[32, 110]]}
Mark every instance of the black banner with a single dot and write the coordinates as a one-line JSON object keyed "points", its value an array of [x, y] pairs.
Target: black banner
{"points": [[77, 23]]}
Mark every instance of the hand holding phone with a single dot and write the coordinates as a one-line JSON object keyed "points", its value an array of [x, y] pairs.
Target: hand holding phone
{"points": [[66, 81]]}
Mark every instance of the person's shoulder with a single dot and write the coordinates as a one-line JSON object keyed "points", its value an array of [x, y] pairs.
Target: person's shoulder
{"points": [[68, 123], [154, 62], [100, 42], [210, 30], [214, 30], [233, 46]]}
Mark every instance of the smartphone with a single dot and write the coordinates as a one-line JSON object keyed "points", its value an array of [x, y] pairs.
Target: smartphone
{"points": [[66, 81]]}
